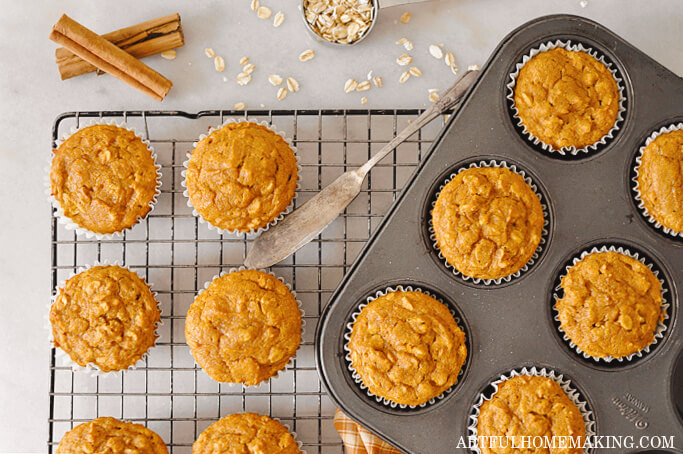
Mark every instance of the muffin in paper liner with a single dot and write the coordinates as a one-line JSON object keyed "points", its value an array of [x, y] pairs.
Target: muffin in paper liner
{"points": [[290, 364], [566, 385], [64, 360], [253, 233], [661, 327], [579, 47], [356, 376], [544, 232], [635, 188], [59, 212]]}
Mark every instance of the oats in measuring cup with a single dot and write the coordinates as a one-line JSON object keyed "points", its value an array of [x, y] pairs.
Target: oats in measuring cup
{"points": [[339, 21]]}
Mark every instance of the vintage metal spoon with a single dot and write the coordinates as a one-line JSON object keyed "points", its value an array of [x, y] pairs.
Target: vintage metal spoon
{"points": [[307, 221]]}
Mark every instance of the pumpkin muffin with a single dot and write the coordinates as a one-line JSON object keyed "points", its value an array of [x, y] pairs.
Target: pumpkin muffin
{"points": [[246, 433], [406, 347], [611, 305], [241, 177], [109, 435], [566, 98], [104, 178], [244, 327], [529, 406], [105, 316], [660, 179], [487, 222]]}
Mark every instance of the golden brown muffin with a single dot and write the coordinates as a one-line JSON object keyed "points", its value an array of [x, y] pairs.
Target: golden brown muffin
{"points": [[108, 436], [529, 406], [660, 179], [487, 222], [246, 433], [566, 98], [244, 327], [406, 347], [104, 178], [611, 305], [241, 176], [105, 316]]}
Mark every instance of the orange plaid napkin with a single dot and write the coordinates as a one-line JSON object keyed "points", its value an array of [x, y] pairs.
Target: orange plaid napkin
{"points": [[359, 440]]}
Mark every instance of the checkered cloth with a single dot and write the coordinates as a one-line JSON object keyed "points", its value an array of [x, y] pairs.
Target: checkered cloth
{"points": [[359, 440]]}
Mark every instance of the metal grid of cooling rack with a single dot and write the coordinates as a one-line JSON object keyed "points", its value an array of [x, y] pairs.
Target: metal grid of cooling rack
{"points": [[177, 255]]}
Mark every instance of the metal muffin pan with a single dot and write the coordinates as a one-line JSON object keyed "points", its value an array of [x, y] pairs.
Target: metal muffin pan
{"points": [[511, 325]]}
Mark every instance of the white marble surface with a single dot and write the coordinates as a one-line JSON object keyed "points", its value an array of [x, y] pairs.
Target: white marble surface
{"points": [[31, 95]]}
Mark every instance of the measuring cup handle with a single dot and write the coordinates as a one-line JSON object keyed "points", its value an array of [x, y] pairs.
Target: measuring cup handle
{"points": [[388, 3]]}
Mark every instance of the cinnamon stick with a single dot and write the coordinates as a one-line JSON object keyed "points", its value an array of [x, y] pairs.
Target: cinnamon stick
{"points": [[141, 40], [106, 56]]}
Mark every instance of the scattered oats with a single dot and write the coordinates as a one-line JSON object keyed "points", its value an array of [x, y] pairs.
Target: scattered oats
{"points": [[350, 85], [405, 18], [306, 55], [262, 105], [248, 68], [415, 71], [449, 59], [240, 106], [473, 67], [363, 100], [436, 51], [278, 19], [370, 75], [433, 95], [263, 12], [363, 86], [281, 93], [292, 84], [274, 80], [408, 45], [255, 5], [404, 60], [378, 81], [244, 61], [219, 63], [583, 3], [225, 79], [168, 54], [243, 79], [339, 21], [455, 69], [402, 41], [404, 77], [209, 52]]}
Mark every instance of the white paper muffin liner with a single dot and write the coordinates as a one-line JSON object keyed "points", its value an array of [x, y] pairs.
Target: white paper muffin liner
{"points": [[565, 384], [659, 330], [544, 232], [68, 223], [253, 233], [356, 376], [290, 364], [636, 188], [579, 47], [64, 360]]}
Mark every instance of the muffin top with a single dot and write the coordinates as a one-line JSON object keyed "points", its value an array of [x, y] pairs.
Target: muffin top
{"points": [[660, 179], [487, 222], [104, 178], [246, 433], [241, 176], [611, 304], [530, 406], [105, 316], [566, 98], [406, 347], [244, 327], [109, 435]]}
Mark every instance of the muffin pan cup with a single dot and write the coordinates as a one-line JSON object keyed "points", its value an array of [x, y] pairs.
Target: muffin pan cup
{"points": [[253, 233], [289, 364], [356, 376], [59, 212], [636, 190], [64, 360], [590, 202], [661, 325], [574, 47]]}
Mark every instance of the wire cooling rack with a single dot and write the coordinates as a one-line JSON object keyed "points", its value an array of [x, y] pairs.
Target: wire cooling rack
{"points": [[177, 255]]}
